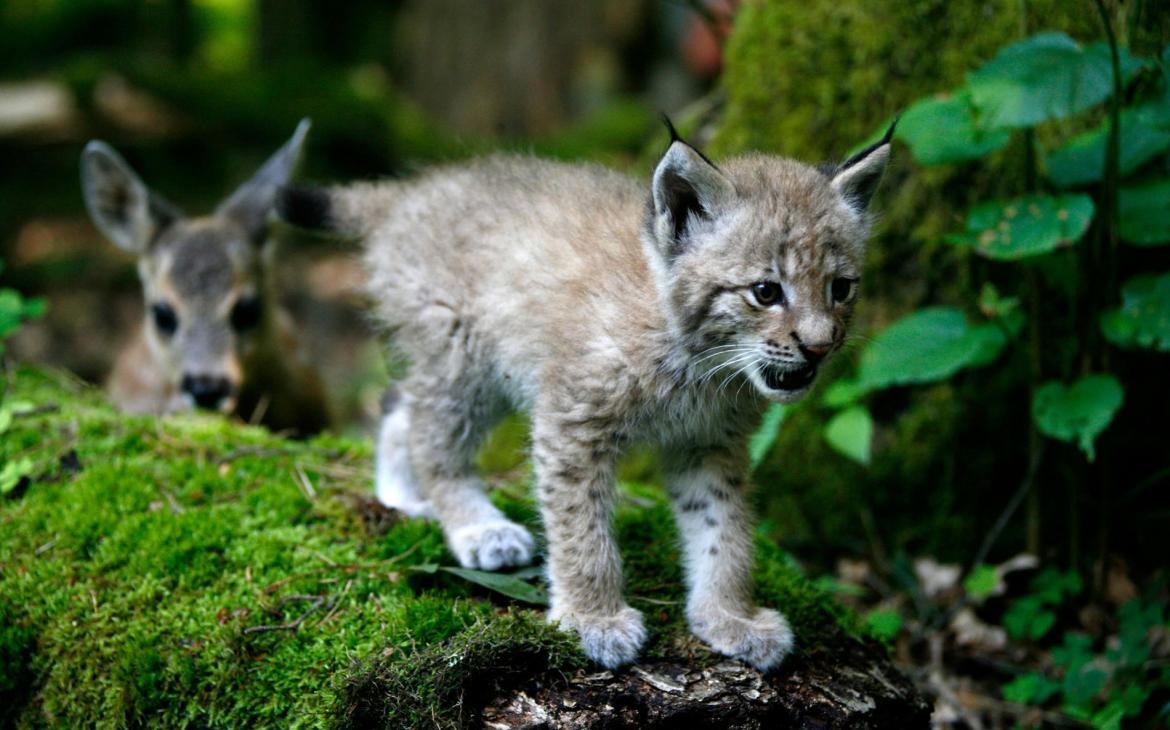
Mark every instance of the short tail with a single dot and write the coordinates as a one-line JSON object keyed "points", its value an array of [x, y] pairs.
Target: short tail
{"points": [[308, 207]]}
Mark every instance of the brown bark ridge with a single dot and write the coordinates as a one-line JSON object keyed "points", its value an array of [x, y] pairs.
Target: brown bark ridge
{"points": [[853, 685]]}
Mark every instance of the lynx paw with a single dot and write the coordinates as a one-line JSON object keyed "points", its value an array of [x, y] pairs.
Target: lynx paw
{"points": [[761, 640], [491, 545], [611, 641]]}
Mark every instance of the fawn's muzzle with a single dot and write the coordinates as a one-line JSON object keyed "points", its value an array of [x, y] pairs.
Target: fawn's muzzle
{"points": [[208, 391]]}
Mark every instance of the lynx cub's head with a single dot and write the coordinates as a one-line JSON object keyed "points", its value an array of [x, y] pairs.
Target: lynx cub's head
{"points": [[758, 261], [202, 277]]}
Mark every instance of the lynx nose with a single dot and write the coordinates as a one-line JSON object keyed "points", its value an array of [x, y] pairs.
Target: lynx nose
{"points": [[208, 391], [813, 353]]}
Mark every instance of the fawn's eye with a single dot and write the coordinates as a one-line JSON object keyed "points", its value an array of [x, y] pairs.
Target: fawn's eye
{"points": [[842, 289], [165, 319], [246, 314], [767, 293]]}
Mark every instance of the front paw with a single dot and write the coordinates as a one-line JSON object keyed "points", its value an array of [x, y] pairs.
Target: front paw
{"points": [[761, 639], [611, 641], [491, 545]]}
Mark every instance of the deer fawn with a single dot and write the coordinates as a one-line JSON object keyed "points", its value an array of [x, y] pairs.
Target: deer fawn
{"points": [[214, 336]]}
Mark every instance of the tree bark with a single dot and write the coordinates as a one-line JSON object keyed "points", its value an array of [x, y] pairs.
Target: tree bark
{"points": [[852, 686]]}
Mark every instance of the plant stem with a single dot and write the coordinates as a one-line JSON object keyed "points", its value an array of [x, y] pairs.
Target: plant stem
{"points": [[1109, 185], [1108, 257]]}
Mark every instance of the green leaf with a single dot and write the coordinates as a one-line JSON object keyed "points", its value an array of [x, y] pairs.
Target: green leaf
{"points": [[11, 311], [1143, 319], [1027, 618], [5, 418], [982, 582], [1079, 412], [850, 433], [942, 130], [1082, 160], [928, 345], [35, 307], [1051, 587], [1144, 213], [883, 623], [1083, 684], [829, 584], [1028, 226], [1048, 76], [842, 392], [1030, 689], [12, 472], [765, 436], [992, 304], [508, 585]]}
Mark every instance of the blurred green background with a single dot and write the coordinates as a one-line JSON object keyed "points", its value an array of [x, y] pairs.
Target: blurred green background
{"points": [[196, 93]]}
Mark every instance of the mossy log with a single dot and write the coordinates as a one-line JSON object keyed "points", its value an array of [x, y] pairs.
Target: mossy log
{"points": [[188, 571]]}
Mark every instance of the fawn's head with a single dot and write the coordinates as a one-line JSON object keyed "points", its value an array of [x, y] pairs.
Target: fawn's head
{"points": [[758, 260], [202, 277]]}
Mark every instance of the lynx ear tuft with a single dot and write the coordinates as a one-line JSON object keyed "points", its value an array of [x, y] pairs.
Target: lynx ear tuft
{"points": [[119, 203], [858, 177], [674, 137]]}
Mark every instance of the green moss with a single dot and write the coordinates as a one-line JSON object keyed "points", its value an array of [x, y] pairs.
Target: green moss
{"points": [[132, 589], [814, 79]]}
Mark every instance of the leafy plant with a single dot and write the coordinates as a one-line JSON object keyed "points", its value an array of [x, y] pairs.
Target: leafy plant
{"points": [[1099, 688], [1061, 238]]}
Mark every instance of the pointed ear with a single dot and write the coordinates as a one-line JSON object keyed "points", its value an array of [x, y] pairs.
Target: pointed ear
{"points": [[685, 187], [119, 203], [857, 178], [250, 204]]}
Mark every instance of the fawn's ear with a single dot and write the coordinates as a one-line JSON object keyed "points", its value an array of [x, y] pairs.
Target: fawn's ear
{"points": [[857, 178], [251, 203], [119, 203], [685, 187]]}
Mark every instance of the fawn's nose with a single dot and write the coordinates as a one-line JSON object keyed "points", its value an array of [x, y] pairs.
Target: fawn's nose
{"points": [[815, 352], [208, 391]]}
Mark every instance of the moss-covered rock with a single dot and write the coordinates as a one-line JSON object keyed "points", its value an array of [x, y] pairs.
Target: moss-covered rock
{"points": [[189, 571], [814, 79]]}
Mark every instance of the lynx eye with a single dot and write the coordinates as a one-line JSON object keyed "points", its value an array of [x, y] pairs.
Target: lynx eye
{"points": [[842, 289], [246, 314], [165, 319], [767, 293]]}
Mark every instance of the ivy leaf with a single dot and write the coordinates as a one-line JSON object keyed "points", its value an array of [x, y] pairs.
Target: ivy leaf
{"points": [[1028, 226], [850, 433], [1082, 160], [1143, 319], [1079, 412], [1144, 213], [930, 345], [1048, 76], [765, 436], [508, 585], [942, 130]]}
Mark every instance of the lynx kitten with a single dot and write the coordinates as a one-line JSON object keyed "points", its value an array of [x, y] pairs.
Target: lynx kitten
{"points": [[613, 315]]}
